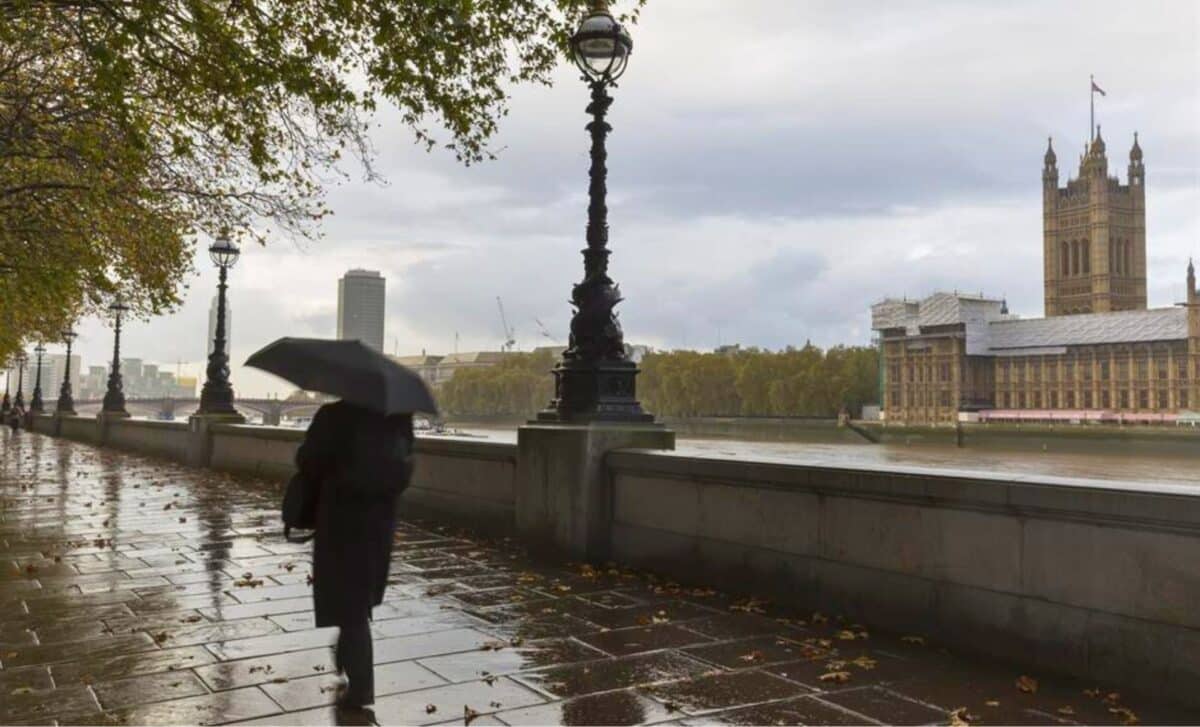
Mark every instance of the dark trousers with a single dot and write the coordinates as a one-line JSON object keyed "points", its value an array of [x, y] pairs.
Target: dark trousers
{"points": [[355, 657]]}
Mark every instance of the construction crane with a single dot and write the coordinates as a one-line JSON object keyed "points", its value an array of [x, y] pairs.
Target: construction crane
{"points": [[510, 340], [542, 329]]}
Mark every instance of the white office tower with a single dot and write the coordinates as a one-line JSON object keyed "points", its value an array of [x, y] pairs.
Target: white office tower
{"points": [[361, 296], [212, 324]]}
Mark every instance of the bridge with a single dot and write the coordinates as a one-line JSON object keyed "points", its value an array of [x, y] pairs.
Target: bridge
{"points": [[272, 411]]}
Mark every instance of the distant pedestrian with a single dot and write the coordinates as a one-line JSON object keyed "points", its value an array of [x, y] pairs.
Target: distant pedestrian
{"points": [[16, 416], [362, 461]]}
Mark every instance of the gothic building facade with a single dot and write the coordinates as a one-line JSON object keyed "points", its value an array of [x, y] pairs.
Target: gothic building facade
{"points": [[1099, 354]]}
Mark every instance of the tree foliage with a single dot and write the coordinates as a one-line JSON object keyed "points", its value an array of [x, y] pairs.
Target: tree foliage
{"points": [[520, 385], [804, 381], [129, 127]]}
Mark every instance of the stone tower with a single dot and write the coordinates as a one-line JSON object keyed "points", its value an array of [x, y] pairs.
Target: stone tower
{"points": [[1094, 235]]}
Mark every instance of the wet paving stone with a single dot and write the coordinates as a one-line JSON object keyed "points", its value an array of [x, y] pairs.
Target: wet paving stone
{"points": [[124, 600], [23, 706], [622, 707], [880, 704], [477, 665], [800, 711], [721, 691], [149, 688], [207, 709], [315, 691], [623, 642], [600, 676], [754, 652]]}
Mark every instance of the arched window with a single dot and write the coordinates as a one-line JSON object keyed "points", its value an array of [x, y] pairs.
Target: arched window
{"points": [[1086, 247], [1065, 270], [1128, 258], [1075, 257]]}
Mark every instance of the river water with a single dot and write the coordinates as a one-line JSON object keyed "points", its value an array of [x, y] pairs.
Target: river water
{"points": [[1112, 464]]}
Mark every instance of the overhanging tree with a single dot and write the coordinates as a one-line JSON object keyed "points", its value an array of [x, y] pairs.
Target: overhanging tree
{"points": [[220, 115]]}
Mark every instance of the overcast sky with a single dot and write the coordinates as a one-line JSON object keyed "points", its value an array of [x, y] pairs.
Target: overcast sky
{"points": [[775, 167]]}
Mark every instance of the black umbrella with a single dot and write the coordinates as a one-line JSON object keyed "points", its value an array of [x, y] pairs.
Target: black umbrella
{"points": [[349, 370]]}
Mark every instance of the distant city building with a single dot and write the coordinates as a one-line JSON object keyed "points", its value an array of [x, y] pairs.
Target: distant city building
{"points": [[437, 370], [361, 298], [212, 324], [53, 368], [1099, 355]]}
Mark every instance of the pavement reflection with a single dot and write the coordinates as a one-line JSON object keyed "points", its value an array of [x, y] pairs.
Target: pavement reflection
{"points": [[135, 591]]}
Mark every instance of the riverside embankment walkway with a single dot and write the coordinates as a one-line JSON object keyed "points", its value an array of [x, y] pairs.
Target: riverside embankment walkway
{"points": [[135, 591]]}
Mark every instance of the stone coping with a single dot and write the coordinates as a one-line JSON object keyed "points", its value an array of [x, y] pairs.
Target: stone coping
{"points": [[1156, 506]]}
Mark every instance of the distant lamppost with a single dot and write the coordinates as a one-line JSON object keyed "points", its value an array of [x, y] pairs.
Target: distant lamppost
{"points": [[7, 404], [114, 397], [21, 361], [596, 381], [217, 395], [36, 405], [66, 403]]}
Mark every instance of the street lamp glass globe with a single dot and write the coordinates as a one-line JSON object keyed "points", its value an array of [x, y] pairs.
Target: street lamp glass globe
{"points": [[39, 349], [69, 335], [224, 253], [601, 47], [118, 305]]}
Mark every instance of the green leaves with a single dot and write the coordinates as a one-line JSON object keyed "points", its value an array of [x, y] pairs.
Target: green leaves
{"points": [[126, 128]]}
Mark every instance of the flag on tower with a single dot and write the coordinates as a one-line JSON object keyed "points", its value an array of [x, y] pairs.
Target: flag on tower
{"points": [[1097, 89]]}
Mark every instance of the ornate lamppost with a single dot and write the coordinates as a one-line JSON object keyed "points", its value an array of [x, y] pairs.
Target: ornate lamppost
{"points": [[114, 396], [6, 406], [217, 395], [21, 361], [36, 405], [596, 381], [66, 403]]}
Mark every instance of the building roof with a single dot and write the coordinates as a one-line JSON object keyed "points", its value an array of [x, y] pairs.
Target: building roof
{"points": [[474, 357], [1130, 326], [418, 360], [989, 330]]}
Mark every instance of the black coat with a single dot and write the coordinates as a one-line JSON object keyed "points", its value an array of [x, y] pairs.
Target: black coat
{"points": [[362, 461]]}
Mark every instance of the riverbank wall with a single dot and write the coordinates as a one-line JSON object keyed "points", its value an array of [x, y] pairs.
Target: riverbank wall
{"points": [[1087, 578], [1071, 438]]}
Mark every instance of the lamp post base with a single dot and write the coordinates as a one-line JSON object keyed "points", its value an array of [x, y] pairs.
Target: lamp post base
{"points": [[595, 392]]}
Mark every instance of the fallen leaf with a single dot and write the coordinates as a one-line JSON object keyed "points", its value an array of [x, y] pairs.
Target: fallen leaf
{"points": [[671, 706], [492, 645], [279, 680], [846, 635], [865, 662], [1027, 684], [1093, 693], [23, 690], [489, 680], [916, 640], [430, 708], [958, 717], [469, 715], [1066, 710], [992, 703], [839, 677], [819, 618], [752, 657], [160, 637], [1112, 697], [1126, 714]]}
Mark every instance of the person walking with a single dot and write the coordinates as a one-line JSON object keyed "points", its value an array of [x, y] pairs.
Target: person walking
{"points": [[360, 461]]}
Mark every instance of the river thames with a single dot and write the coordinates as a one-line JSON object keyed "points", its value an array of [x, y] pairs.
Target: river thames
{"points": [[1113, 464]]}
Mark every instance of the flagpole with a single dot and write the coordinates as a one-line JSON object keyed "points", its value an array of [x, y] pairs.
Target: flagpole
{"points": [[1092, 105]]}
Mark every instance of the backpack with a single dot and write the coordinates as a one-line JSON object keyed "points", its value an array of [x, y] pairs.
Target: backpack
{"points": [[300, 507]]}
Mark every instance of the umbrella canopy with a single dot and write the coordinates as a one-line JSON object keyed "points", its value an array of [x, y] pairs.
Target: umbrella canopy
{"points": [[349, 370]]}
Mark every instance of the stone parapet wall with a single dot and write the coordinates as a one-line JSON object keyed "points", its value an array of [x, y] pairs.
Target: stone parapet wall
{"points": [[1082, 577], [1090, 578]]}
